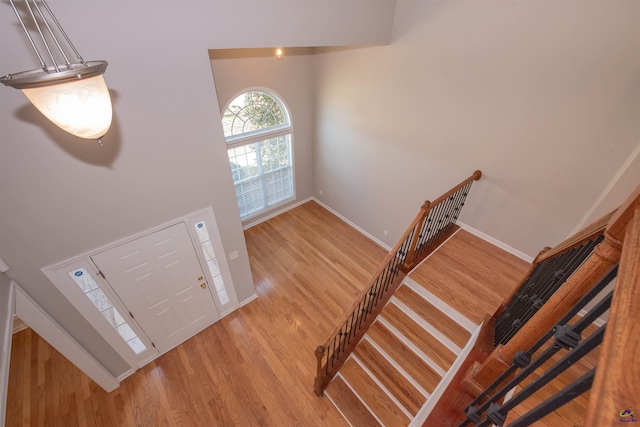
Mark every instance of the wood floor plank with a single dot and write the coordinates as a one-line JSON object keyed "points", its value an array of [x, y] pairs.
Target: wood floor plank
{"points": [[408, 396], [449, 328], [426, 342], [404, 357], [471, 275], [254, 367], [374, 397], [349, 404]]}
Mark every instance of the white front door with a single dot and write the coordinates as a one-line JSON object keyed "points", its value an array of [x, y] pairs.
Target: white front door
{"points": [[160, 281]]}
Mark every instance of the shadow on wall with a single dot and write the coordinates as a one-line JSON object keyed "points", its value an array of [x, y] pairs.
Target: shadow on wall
{"points": [[85, 150]]}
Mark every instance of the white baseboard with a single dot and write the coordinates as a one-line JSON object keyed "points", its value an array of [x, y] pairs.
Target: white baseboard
{"points": [[276, 213], [462, 225], [295, 205], [246, 301], [352, 224], [18, 325], [130, 372], [496, 242]]}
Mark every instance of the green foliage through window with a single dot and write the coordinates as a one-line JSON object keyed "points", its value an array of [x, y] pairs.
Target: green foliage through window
{"points": [[261, 167], [253, 111]]}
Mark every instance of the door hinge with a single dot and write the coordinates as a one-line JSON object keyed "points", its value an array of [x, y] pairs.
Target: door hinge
{"points": [[154, 346], [100, 273], [131, 314]]}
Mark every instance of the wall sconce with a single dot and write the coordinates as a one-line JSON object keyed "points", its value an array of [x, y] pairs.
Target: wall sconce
{"points": [[73, 95], [279, 53]]}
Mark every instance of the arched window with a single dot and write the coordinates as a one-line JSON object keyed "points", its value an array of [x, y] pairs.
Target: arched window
{"points": [[257, 129]]}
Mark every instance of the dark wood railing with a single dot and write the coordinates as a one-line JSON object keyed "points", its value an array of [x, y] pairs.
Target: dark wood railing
{"points": [[434, 223], [489, 408], [437, 221], [481, 386], [616, 386], [548, 274], [614, 380]]}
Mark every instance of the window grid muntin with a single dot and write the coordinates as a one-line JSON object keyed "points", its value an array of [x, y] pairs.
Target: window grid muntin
{"points": [[259, 184], [256, 188], [236, 113]]}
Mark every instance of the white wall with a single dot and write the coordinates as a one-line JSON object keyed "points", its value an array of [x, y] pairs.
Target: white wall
{"points": [[291, 78], [165, 155], [544, 97], [617, 190]]}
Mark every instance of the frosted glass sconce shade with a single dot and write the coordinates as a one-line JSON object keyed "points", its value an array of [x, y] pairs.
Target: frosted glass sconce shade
{"points": [[70, 92], [81, 107]]}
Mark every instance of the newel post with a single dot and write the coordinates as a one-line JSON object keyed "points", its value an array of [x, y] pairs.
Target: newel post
{"points": [[318, 385], [410, 258]]}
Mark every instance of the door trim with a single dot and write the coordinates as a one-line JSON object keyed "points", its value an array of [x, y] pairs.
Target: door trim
{"points": [[86, 309], [7, 308]]}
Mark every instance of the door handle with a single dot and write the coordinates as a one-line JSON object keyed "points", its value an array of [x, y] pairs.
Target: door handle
{"points": [[203, 285]]}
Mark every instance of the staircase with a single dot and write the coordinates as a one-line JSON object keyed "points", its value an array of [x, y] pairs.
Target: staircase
{"points": [[394, 358], [401, 360], [396, 371]]}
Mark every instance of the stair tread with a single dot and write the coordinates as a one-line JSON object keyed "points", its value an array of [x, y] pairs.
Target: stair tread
{"points": [[375, 398], [404, 356], [390, 377], [436, 318], [480, 272], [426, 342], [349, 405]]}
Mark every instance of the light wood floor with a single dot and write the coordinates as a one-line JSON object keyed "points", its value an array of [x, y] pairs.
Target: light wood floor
{"points": [[457, 274], [255, 367]]}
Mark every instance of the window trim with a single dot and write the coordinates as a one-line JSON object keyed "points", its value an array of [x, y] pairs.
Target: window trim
{"points": [[260, 135]]}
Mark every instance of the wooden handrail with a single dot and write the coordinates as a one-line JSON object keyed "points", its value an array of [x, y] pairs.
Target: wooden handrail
{"points": [[588, 233], [605, 255], [616, 386], [619, 220], [324, 372], [474, 177], [373, 297], [413, 260], [371, 281], [422, 213]]}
